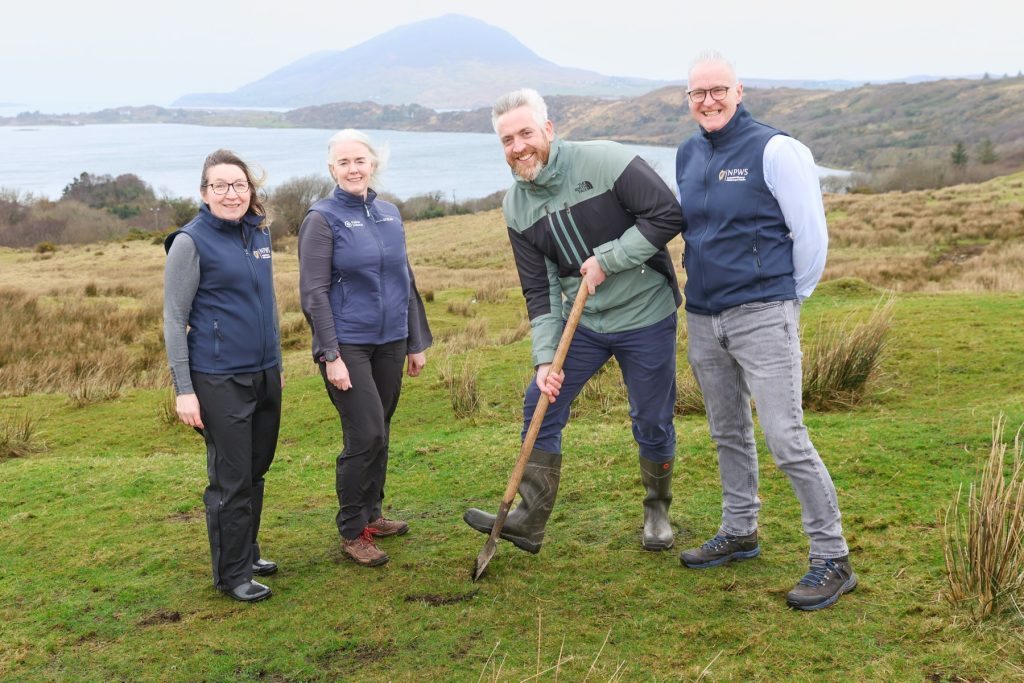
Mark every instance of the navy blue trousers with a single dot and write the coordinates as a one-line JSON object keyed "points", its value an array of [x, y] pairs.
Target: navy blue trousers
{"points": [[647, 357]]}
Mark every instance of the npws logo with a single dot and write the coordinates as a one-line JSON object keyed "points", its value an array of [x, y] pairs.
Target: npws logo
{"points": [[732, 175], [262, 252]]}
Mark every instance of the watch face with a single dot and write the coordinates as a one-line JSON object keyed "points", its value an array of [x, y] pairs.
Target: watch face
{"points": [[330, 356]]}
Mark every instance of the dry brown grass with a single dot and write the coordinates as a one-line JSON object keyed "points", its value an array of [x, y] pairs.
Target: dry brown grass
{"points": [[960, 238], [983, 539], [87, 319]]}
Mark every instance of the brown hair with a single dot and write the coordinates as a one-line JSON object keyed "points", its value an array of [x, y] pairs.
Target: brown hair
{"points": [[226, 156]]}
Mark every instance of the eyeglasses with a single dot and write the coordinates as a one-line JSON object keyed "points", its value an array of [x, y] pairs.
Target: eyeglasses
{"points": [[241, 187], [718, 94]]}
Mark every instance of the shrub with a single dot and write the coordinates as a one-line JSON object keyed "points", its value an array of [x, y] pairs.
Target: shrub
{"points": [[45, 247], [983, 540]]}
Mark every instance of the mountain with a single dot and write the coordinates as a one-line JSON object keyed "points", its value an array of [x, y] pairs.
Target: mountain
{"points": [[450, 62]]}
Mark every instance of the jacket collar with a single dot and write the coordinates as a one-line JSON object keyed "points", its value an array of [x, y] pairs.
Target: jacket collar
{"points": [[354, 200], [740, 119], [249, 220], [552, 171]]}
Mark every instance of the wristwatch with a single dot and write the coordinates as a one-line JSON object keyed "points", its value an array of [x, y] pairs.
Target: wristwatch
{"points": [[330, 355]]}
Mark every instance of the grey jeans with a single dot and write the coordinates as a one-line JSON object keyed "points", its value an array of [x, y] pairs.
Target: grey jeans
{"points": [[748, 351]]}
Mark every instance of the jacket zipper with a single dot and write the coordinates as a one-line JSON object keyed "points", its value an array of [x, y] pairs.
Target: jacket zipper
{"points": [[383, 282]]}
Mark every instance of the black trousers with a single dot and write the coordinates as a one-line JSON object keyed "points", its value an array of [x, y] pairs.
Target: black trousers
{"points": [[365, 411], [242, 414]]}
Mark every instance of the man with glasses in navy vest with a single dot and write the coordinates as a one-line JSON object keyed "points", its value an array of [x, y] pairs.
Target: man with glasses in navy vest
{"points": [[756, 241]]}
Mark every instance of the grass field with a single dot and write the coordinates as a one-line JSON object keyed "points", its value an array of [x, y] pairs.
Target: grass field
{"points": [[104, 570]]}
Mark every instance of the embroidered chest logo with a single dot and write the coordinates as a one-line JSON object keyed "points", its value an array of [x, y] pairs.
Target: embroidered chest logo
{"points": [[584, 186], [733, 175], [354, 224], [261, 253]]}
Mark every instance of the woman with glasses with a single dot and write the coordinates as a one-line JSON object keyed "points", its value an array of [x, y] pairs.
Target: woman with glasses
{"points": [[367, 319], [221, 333]]}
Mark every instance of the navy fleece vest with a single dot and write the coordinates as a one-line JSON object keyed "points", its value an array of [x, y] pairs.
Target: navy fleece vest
{"points": [[369, 271], [738, 248], [232, 322]]}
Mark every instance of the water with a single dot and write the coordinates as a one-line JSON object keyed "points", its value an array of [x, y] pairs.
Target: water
{"points": [[43, 159]]}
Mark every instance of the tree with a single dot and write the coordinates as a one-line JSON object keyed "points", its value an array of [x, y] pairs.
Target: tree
{"points": [[959, 156], [986, 152], [290, 200], [124, 194]]}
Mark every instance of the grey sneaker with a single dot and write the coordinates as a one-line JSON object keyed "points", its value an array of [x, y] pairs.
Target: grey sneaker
{"points": [[721, 549], [823, 583]]}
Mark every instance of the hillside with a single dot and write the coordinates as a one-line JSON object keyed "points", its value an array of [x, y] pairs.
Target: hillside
{"points": [[451, 62], [106, 571], [868, 128]]}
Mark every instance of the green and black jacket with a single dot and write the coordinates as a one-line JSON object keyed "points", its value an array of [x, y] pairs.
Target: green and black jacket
{"points": [[593, 198]]}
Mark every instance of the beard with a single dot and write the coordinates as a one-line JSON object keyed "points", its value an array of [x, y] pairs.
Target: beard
{"points": [[528, 170]]}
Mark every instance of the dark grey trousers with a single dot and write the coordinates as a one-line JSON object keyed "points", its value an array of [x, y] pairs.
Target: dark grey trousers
{"points": [[242, 414], [365, 411]]}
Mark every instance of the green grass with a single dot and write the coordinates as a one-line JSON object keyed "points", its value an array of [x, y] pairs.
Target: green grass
{"points": [[104, 569]]}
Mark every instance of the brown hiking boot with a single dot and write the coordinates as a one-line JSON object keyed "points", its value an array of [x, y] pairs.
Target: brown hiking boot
{"points": [[387, 527], [362, 550]]}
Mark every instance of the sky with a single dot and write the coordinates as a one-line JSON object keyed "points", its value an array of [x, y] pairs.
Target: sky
{"points": [[71, 56]]}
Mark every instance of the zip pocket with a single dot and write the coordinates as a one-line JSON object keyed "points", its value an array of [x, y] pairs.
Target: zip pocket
{"points": [[217, 338]]}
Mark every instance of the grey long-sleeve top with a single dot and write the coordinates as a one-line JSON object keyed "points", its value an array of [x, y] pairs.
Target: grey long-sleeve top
{"points": [[316, 250]]}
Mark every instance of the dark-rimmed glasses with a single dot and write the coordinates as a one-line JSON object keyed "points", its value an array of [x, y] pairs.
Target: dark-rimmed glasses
{"points": [[718, 94], [241, 187]]}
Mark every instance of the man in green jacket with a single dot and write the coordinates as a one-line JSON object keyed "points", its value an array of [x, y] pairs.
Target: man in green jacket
{"points": [[590, 214]]}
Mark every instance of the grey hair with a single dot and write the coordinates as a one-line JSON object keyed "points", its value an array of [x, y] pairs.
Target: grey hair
{"points": [[711, 57], [524, 97], [378, 157]]}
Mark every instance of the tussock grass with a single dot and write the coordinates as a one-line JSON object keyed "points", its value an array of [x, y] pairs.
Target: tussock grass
{"points": [[513, 334], [97, 385], [461, 381], [167, 413], [602, 394], [689, 399], [843, 359], [19, 437], [983, 537], [467, 309], [492, 293]]}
